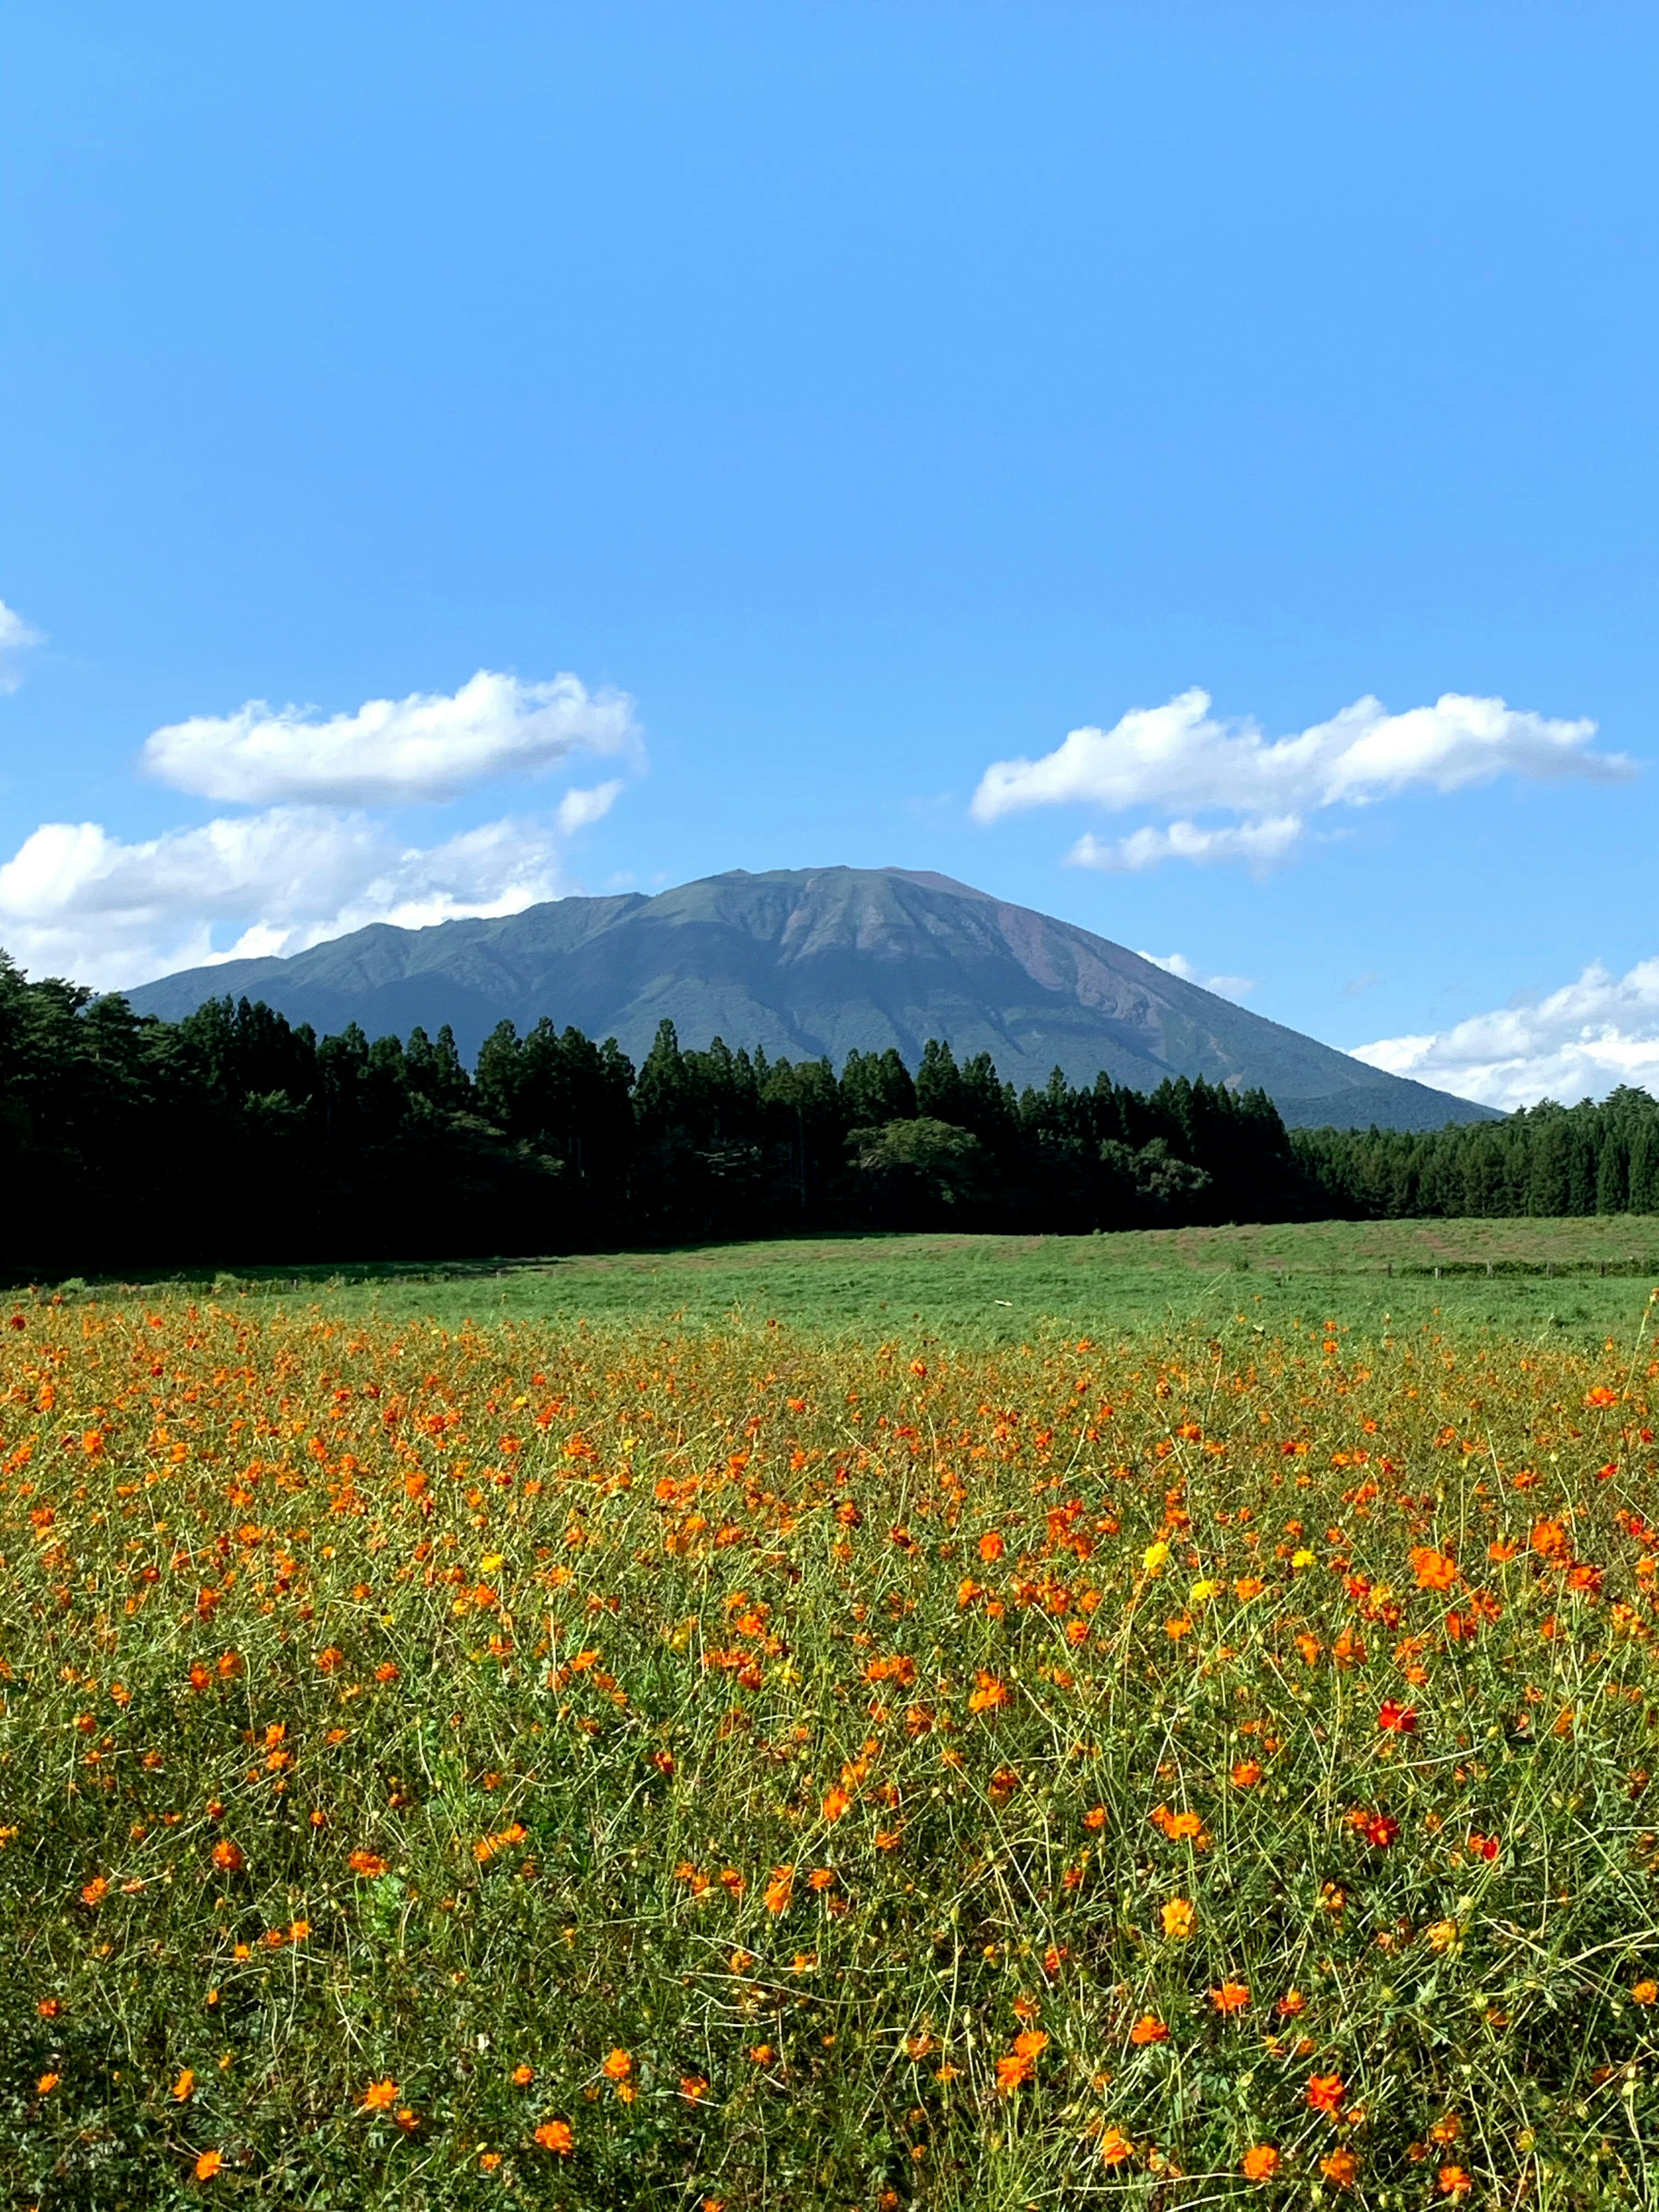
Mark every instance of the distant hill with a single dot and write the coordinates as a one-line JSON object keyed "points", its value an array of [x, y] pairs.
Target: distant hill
{"points": [[813, 962]]}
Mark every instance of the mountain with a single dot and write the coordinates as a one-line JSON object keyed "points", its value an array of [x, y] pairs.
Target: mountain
{"points": [[818, 961]]}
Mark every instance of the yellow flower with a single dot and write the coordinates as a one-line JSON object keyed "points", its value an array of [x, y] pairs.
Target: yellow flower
{"points": [[1179, 1917], [1202, 1592], [1304, 1558], [1155, 1558]]}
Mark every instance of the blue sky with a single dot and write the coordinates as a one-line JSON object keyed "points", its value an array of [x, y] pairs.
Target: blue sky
{"points": [[849, 399]]}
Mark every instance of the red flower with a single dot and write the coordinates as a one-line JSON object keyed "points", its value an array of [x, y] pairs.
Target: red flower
{"points": [[1402, 1719], [1326, 2092]]}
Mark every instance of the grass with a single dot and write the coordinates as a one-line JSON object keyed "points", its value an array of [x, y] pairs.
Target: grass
{"points": [[594, 1764], [1546, 1279]]}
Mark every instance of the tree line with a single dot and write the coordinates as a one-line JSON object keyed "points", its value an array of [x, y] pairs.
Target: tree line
{"points": [[1546, 1159], [235, 1137]]}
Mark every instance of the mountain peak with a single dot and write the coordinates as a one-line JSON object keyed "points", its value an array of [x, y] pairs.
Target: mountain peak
{"points": [[819, 962]]}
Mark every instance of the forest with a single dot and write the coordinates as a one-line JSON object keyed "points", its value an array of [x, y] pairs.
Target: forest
{"points": [[235, 1137]]}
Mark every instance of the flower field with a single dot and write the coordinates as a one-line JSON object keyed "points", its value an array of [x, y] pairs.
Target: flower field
{"points": [[596, 1768]]}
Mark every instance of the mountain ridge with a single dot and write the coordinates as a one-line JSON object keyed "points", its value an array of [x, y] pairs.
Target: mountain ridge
{"points": [[814, 963]]}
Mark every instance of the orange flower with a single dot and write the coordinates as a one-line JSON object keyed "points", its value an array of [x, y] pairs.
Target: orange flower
{"points": [[1246, 1774], [1115, 2147], [835, 1802], [988, 1695], [1178, 1917], [556, 2136], [209, 2164], [1455, 2181], [1435, 1570], [990, 1546], [369, 1864], [1326, 2092], [779, 1889], [379, 2097], [1646, 1993], [1231, 1997], [523, 2077], [1550, 1541], [1341, 2166], [1248, 1587], [617, 2066], [1259, 2163], [96, 1891], [1095, 1817], [1179, 1828], [1149, 2028], [1292, 2005], [763, 2054], [228, 1857], [693, 2086], [46, 2084], [185, 2087]]}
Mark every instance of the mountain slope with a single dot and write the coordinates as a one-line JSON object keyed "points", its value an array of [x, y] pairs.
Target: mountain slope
{"points": [[808, 962]]}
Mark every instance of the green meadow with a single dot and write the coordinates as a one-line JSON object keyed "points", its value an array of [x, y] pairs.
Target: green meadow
{"points": [[1564, 1280]]}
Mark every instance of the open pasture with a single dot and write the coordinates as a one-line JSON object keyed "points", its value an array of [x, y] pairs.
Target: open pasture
{"points": [[450, 1763], [1572, 1280]]}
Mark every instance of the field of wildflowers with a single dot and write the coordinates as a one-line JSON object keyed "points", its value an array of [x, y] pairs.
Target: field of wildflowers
{"points": [[602, 1768]]}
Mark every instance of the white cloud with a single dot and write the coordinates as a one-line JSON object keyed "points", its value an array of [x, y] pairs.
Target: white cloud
{"points": [[1179, 756], [17, 637], [1579, 1042], [74, 899], [577, 809], [1260, 843], [1224, 986], [427, 746]]}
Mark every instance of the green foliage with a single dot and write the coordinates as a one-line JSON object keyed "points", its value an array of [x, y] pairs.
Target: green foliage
{"points": [[134, 1144], [1546, 1161]]}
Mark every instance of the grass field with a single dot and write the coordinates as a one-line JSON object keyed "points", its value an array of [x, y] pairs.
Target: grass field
{"points": [[595, 1763], [1546, 1279]]}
